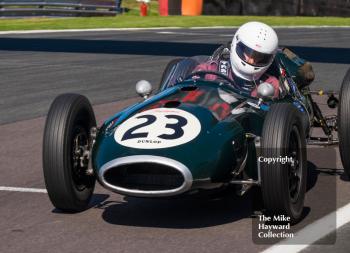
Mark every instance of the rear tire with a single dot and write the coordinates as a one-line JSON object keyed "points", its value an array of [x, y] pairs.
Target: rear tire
{"points": [[68, 125], [344, 123], [283, 186], [176, 68]]}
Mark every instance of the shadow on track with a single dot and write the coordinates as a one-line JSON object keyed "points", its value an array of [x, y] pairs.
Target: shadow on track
{"points": [[313, 54], [95, 201], [198, 211], [179, 213], [312, 174]]}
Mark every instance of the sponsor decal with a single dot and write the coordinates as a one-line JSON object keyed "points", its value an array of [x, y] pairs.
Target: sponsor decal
{"points": [[253, 105], [158, 128], [238, 111], [299, 106], [224, 67], [110, 124]]}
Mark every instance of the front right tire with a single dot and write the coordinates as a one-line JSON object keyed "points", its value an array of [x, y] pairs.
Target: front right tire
{"points": [[67, 129]]}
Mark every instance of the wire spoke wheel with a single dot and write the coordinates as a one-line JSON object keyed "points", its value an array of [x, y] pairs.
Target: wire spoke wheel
{"points": [[80, 177], [295, 172]]}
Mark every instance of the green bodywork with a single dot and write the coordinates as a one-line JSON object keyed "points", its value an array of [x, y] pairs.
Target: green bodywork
{"points": [[222, 143], [212, 153]]}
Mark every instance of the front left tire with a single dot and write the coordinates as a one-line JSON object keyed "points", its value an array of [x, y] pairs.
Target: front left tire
{"points": [[283, 184]]}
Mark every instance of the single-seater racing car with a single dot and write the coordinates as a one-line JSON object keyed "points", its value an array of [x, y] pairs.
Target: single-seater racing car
{"points": [[193, 134]]}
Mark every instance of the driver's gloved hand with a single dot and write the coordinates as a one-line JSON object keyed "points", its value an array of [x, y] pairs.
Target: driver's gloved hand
{"points": [[225, 54], [221, 53], [305, 73]]}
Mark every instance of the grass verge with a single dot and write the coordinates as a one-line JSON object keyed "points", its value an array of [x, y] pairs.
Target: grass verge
{"points": [[132, 19], [129, 21]]}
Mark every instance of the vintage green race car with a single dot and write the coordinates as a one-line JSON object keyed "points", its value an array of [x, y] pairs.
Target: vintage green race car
{"points": [[192, 135]]}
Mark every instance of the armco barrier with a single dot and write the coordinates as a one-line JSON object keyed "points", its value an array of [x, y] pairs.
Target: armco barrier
{"points": [[58, 8]]}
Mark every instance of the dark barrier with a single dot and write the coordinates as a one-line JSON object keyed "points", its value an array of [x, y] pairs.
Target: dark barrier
{"points": [[278, 7], [174, 7], [324, 8], [340, 55], [58, 8]]}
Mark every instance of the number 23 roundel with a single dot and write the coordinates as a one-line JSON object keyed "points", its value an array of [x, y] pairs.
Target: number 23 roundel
{"points": [[158, 128]]}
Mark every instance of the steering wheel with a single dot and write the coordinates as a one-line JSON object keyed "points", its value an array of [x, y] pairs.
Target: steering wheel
{"points": [[202, 74]]}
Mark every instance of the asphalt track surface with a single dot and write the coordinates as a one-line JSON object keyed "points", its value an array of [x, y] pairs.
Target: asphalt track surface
{"points": [[104, 66]]}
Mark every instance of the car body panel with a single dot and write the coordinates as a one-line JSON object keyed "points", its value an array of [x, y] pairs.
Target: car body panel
{"points": [[226, 115], [213, 155]]}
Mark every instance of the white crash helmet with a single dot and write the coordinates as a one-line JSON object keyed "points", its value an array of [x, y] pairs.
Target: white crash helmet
{"points": [[257, 41]]}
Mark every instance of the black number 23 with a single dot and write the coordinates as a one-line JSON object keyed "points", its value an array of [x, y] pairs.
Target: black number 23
{"points": [[177, 127]]}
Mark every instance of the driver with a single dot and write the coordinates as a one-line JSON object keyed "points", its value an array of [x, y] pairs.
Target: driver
{"points": [[252, 51]]}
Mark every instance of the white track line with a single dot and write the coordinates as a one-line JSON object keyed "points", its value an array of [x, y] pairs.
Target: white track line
{"points": [[85, 30], [183, 33], [275, 26], [196, 34], [21, 189], [150, 28], [308, 235], [313, 232]]}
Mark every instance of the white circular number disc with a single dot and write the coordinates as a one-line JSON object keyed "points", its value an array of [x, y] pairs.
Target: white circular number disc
{"points": [[158, 128]]}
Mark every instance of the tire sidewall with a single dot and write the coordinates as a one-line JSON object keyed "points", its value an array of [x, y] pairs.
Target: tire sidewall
{"points": [[80, 115], [293, 119], [344, 123], [66, 112], [183, 67]]}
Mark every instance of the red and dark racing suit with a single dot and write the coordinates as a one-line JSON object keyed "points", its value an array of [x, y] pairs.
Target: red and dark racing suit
{"points": [[221, 64]]}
